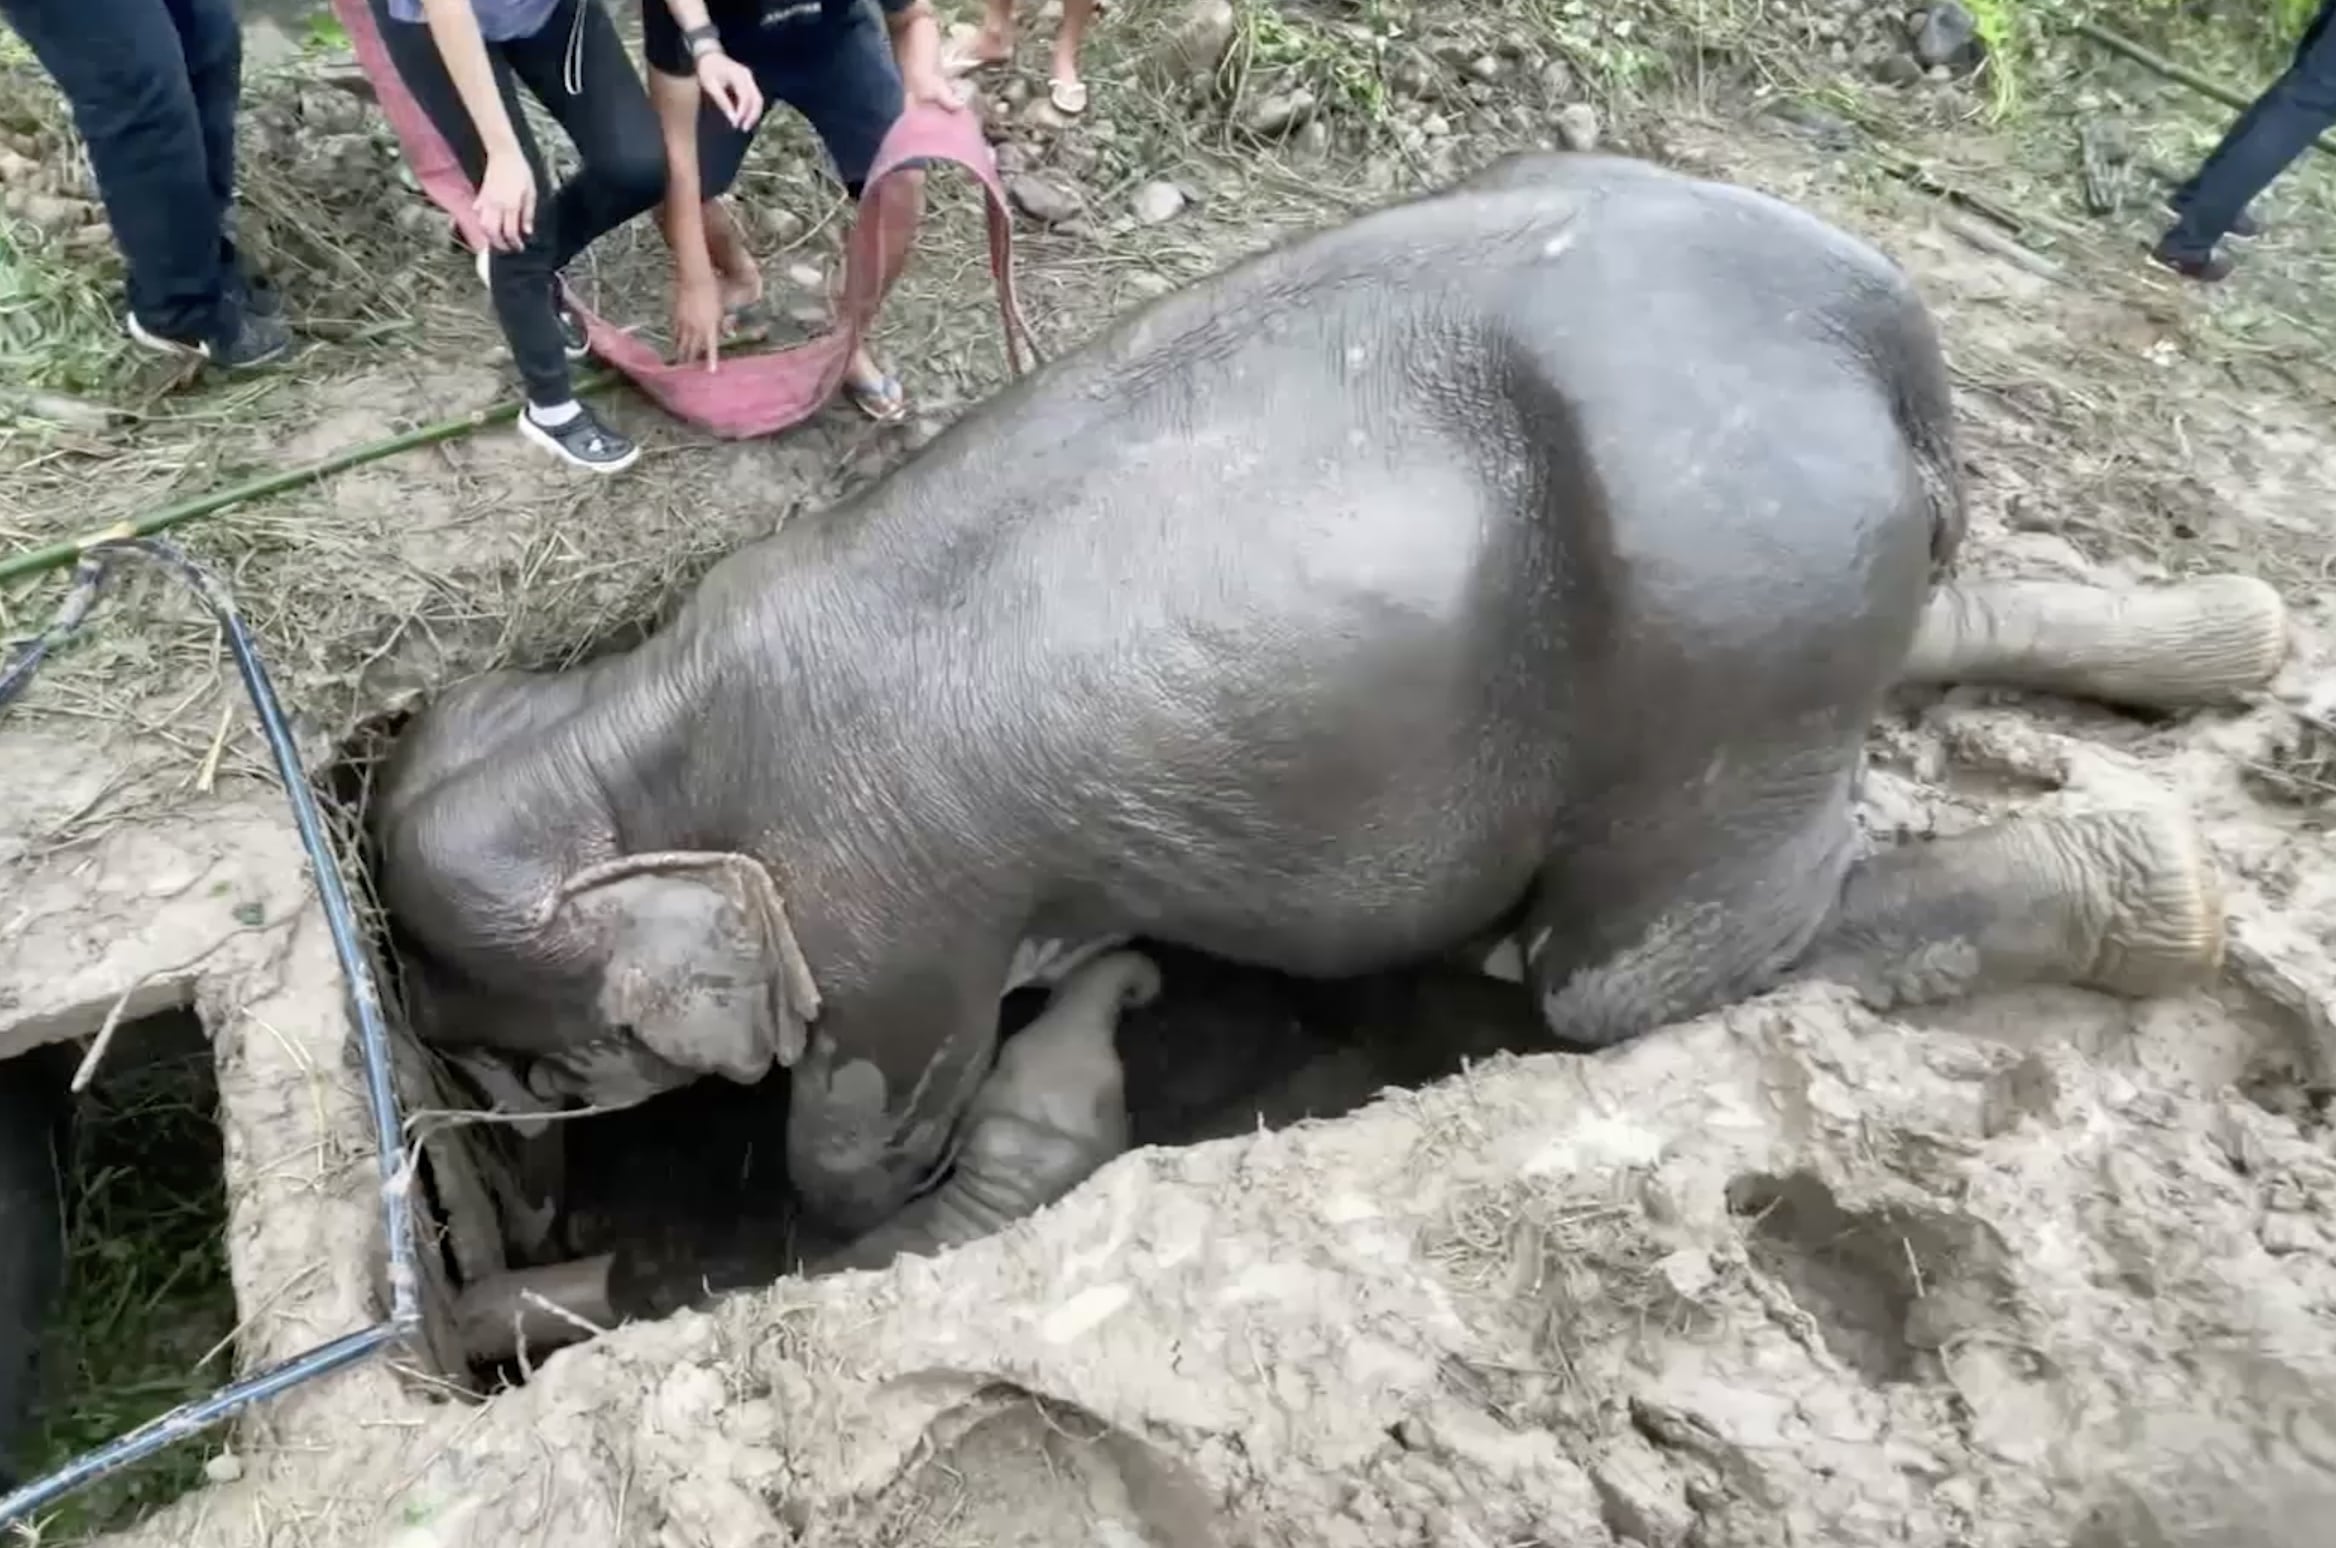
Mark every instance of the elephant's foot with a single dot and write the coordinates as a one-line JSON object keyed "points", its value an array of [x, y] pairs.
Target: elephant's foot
{"points": [[2160, 647], [536, 1310], [2126, 902], [1051, 1114]]}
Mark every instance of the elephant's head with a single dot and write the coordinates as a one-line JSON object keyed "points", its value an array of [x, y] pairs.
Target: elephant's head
{"points": [[603, 976]]}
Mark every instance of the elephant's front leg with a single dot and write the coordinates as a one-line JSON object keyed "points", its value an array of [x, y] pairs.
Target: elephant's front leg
{"points": [[1051, 1114], [879, 1093], [2122, 901]]}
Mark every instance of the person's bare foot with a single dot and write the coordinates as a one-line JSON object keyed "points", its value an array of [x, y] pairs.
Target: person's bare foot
{"points": [[984, 48], [874, 391]]}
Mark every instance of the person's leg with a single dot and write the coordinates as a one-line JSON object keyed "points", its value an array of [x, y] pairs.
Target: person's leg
{"points": [[994, 44], [1064, 88], [849, 90], [213, 43], [2274, 130], [124, 70], [519, 282], [608, 117]]}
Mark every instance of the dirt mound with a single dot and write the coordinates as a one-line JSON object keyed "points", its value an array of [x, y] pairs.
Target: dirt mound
{"points": [[1793, 1274]]}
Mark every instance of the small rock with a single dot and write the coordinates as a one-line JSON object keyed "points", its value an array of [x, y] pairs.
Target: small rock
{"points": [[812, 319], [1487, 67], [1577, 126], [1281, 112], [1196, 45], [224, 1468], [1044, 200], [1158, 202], [1413, 75], [1013, 156], [805, 276], [1435, 126], [1898, 70], [1314, 138], [1043, 116], [1557, 80], [1947, 35], [778, 222]]}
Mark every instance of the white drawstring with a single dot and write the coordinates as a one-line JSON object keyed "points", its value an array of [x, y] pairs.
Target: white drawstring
{"points": [[572, 70]]}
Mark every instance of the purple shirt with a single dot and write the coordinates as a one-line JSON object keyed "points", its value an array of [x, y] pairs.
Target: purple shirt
{"points": [[499, 20]]}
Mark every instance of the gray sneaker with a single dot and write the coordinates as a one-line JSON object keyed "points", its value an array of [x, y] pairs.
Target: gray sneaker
{"points": [[582, 442], [257, 341]]}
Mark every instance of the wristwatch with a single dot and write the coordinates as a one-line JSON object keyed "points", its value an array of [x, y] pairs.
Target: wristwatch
{"points": [[702, 41]]}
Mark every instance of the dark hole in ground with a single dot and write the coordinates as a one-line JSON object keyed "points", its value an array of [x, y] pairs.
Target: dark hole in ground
{"points": [[688, 1191], [145, 1318]]}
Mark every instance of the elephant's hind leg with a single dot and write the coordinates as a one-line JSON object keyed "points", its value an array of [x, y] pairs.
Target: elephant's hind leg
{"points": [[2123, 901], [1681, 907], [2164, 647]]}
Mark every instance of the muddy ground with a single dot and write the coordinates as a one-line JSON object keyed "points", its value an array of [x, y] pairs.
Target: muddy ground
{"points": [[2045, 1268]]}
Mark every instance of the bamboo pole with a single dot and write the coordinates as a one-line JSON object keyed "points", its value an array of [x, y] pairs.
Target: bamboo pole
{"points": [[55, 556]]}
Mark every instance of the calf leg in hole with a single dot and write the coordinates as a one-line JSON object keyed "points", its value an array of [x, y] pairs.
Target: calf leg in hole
{"points": [[2150, 647], [2124, 901], [1051, 1113]]}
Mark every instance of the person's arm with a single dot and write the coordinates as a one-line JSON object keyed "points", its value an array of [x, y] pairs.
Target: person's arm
{"points": [[916, 47], [676, 99], [454, 27], [506, 207]]}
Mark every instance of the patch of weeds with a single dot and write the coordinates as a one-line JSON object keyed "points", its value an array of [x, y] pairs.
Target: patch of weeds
{"points": [[147, 1318], [57, 326], [1340, 64]]}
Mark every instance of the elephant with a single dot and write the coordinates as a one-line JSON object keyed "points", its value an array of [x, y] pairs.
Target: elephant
{"points": [[1512, 572], [1052, 1112]]}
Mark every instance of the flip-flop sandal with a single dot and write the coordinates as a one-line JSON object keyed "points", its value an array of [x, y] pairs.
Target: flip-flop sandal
{"points": [[882, 400], [1069, 97]]}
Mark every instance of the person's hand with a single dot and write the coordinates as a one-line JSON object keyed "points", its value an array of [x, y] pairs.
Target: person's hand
{"points": [[931, 88], [730, 86], [697, 320], [506, 201]]}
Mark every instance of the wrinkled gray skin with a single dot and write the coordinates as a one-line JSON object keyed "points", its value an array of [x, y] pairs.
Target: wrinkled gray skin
{"points": [[1524, 561]]}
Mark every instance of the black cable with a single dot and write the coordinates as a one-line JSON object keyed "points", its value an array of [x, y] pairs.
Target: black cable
{"points": [[405, 1314]]}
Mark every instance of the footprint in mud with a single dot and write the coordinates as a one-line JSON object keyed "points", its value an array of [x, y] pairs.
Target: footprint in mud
{"points": [[1888, 1289]]}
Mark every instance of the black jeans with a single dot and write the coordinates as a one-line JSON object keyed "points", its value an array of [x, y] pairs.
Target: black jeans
{"points": [[616, 135], [2279, 126], [153, 86]]}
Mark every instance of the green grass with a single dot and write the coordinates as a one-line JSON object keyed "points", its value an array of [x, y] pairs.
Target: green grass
{"points": [[57, 327], [147, 1294]]}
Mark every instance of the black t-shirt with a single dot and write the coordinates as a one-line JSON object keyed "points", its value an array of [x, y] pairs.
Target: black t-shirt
{"points": [[747, 26]]}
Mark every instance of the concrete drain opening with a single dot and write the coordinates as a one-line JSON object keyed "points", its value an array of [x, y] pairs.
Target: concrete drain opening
{"points": [[134, 1232], [635, 1215]]}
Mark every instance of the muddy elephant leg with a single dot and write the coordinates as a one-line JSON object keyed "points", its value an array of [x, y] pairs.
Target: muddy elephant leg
{"points": [[1051, 1114], [2157, 647], [1685, 909], [2122, 901], [878, 1096]]}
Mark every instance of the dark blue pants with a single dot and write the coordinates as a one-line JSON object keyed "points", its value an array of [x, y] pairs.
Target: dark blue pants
{"points": [[2279, 126], [154, 86]]}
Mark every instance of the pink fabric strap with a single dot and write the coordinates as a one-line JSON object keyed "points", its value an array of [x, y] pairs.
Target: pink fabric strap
{"points": [[749, 395]]}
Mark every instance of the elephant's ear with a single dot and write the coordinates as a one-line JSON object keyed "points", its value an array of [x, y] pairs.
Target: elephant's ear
{"points": [[696, 958]]}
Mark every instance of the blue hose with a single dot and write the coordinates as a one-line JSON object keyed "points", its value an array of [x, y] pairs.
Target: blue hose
{"points": [[405, 1312]]}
